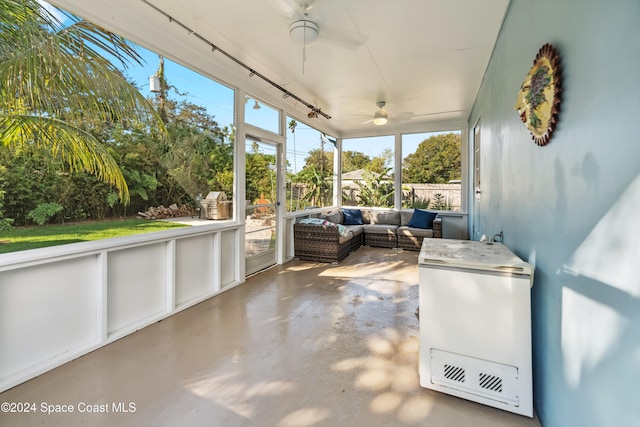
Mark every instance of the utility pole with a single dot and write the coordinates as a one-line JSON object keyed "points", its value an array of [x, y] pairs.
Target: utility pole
{"points": [[158, 85], [162, 97]]}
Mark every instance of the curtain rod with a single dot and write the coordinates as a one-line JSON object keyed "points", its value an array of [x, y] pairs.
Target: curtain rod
{"points": [[315, 111]]}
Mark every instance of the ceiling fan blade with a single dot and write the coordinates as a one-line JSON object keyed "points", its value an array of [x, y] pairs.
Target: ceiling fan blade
{"points": [[289, 8], [405, 114], [341, 38], [367, 122], [438, 113]]}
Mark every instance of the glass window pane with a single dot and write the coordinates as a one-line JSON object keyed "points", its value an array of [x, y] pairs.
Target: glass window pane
{"points": [[368, 171], [432, 170], [310, 155], [261, 184], [193, 157], [261, 115]]}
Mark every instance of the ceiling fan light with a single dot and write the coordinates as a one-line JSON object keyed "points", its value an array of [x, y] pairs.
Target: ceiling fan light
{"points": [[380, 120], [380, 117], [303, 32]]}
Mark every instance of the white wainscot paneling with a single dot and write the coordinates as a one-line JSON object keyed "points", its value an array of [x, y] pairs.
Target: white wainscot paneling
{"points": [[47, 313], [228, 264], [136, 286], [194, 268], [288, 238]]}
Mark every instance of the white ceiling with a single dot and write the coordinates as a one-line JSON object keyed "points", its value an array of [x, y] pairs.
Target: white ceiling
{"points": [[425, 57]]}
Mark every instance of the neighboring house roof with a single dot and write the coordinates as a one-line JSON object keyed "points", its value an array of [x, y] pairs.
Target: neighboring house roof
{"points": [[355, 175]]}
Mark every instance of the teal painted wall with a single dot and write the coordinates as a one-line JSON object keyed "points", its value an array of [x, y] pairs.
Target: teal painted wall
{"points": [[572, 208]]}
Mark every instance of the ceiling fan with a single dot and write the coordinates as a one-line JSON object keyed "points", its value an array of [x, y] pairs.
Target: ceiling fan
{"points": [[305, 30], [381, 117]]}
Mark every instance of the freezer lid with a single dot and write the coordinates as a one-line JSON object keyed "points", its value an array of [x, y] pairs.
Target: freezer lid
{"points": [[488, 256]]}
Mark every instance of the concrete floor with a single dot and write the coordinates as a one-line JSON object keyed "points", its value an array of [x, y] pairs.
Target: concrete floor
{"points": [[302, 344]]}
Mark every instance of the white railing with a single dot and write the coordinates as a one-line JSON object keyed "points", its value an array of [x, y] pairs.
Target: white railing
{"points": [[61, 302]]}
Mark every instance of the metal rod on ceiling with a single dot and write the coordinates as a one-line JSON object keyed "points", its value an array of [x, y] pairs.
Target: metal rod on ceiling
{"points": [[315, 111]]}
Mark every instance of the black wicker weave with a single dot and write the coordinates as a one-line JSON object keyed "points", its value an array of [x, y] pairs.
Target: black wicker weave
{"points": [[319, 243], [437, 228], [357, 241], [410, 243], [381, 240]]}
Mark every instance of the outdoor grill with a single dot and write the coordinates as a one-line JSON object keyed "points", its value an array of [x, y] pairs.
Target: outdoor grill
{"points": [[215, 206]]}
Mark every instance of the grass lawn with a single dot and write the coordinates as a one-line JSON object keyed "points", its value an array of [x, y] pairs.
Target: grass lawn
{"points": [[20, 239]]}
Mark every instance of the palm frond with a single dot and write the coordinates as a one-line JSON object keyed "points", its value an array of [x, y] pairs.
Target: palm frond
{"points": [[54, 78], [78, 149]]}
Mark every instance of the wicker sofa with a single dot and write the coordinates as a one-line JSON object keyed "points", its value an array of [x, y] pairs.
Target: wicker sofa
{"points": [[385, 228]]}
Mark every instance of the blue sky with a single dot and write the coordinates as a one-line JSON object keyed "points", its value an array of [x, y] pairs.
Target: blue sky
{"points": [[200, 90]]}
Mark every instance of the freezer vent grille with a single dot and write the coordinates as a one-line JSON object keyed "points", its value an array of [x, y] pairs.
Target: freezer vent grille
{"points": [[471, 376], [491, 382], [454, 373]]}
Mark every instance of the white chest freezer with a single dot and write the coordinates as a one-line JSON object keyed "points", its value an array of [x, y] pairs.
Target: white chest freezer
{"points": [[475, 323]]}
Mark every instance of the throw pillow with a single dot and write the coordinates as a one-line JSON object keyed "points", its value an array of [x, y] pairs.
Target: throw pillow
{"points": [[352, 217], [316, 221], [342, 230], [422, 219]]}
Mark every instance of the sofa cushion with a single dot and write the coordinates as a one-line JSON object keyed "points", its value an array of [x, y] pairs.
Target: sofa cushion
{"points": [[414, 232], [405, 217], [352, 217], [316, 221], [355, 229], [342, 230], [380, 229], [422, 219], [332, 216], [385, 217], [345, 238], [366, 216]]}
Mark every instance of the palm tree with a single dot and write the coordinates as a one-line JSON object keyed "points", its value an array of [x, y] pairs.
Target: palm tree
{"points": [[318, 185], [55, 78]]}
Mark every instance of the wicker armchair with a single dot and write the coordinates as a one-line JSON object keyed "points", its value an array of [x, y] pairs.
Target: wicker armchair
{"points": [[320, 243]]}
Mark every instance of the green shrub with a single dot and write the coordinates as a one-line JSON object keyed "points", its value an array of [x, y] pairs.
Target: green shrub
{"points": [[44, 212], [441, 203], [5, 223], [420, 203]]}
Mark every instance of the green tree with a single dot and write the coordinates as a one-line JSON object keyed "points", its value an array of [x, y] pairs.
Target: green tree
{"points": [[260, 173], [354, 160], [382, 163], [321, 160], [436, 160], [200, 154], [55, 78]]}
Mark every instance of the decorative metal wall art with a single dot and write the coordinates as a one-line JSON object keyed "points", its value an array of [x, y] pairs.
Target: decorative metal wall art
{"points": [[539, 97]]}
